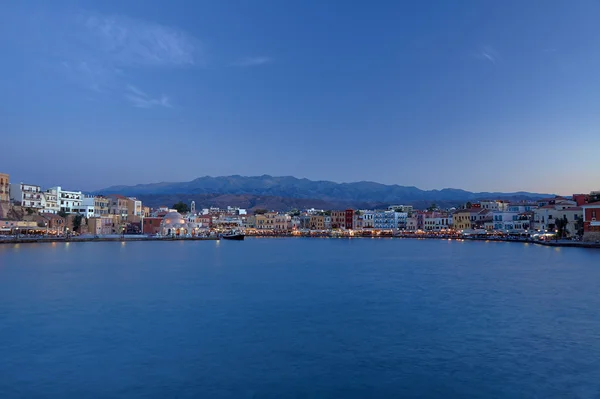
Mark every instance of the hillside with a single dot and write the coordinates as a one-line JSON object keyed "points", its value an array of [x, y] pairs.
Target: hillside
{"points": [[287, 190]]}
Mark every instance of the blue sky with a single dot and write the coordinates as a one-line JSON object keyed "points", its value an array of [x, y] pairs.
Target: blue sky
{"points": [[479, 95]]}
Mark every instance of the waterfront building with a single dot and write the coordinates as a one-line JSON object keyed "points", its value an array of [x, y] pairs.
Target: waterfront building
{"points": [[4, 187], [119, 206], [509, 222], [546, 216], [100, 225], [367, 219], [135, 211], [317, 222], [437, 221], [349, 219], [68, 201], [401, 208], [101, 206], [411, 224], [173, 224], [470, 219], [49, 202], [591, 221], [389, 220], [26, 195], [327, 222], [338, 219], [204, 221], [522, 207], [151, 225]]}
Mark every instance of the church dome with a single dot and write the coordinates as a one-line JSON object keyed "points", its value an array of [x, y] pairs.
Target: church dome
{"points": [[173, 218]]}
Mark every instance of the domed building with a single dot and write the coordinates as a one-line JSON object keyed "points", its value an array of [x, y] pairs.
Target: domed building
{"points": [[173, 224]]}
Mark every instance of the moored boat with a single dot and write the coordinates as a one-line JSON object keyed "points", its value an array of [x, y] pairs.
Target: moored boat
{"points": [[233, 236]]}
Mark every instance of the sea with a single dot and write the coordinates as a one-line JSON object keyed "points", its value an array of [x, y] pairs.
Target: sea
{"points": [[299, 318]]}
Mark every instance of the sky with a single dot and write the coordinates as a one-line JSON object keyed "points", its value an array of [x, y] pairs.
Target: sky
{"points": [[480, 95]]}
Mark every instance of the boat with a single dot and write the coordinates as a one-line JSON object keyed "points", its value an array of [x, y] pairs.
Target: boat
{"points": [[233, 236]]}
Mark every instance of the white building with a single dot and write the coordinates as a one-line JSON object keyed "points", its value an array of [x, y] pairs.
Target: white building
{"points": [[389, 220], [437, 221], [68, 201], [495, 205], [88, 207], [49, 203], [368, 219], [26, 195]]}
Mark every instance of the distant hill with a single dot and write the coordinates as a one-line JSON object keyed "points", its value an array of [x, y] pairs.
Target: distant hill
{"points": [[286, 191]]}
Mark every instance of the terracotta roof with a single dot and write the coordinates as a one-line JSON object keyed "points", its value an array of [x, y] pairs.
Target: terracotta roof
{"points": [[573, 208]]}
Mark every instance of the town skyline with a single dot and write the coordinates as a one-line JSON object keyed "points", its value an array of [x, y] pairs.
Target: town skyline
{"points": [[479, 96]]}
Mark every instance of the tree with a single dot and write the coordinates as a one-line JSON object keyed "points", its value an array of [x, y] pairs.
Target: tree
{"points": [[357, 212], [62, 214], [432, 207], [77, 222], [29, 211], [579, 226], [181, 207], [561, 226], [468, 205], [260, 211], [293, 212]]}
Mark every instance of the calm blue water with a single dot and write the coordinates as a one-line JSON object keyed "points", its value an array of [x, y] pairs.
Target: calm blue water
{"points": [[299, 318]]}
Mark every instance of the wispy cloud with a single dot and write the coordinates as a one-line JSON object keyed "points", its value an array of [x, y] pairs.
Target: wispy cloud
{"points": [[140, 99], [252, 61], [488, 54], [132, 42], [101, 53]]}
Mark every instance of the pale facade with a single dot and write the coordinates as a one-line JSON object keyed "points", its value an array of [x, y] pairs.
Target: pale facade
{"points": [[4, 187], [26, 195], [68, 201]]}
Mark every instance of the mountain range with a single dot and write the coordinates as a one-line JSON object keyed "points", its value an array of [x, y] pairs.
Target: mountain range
{"points": [[284, 192]]}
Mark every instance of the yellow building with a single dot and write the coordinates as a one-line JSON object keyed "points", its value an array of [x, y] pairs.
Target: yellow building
{"points": [[464, 219], [271, 221], [4, 187], [317, 222]]}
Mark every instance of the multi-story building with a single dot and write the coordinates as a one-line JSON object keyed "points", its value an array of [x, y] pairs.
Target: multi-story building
{"points": [[317, 222], [389, 220], [468, 219], [411, 223], [151, 225], [591, 221], [26, 195], [522, 207], [494, 205], [100, 225], [118, 206], [101, 206], [437, 221], [545, 218], [50, 202], [68, 201], [509, 221], [135, 210], [367, 219], [338, 219], [327, 222], [349, 219], [4, 187], [265, 221]]}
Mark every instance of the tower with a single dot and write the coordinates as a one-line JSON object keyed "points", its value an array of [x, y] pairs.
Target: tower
{"points": [[193, 207]]}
